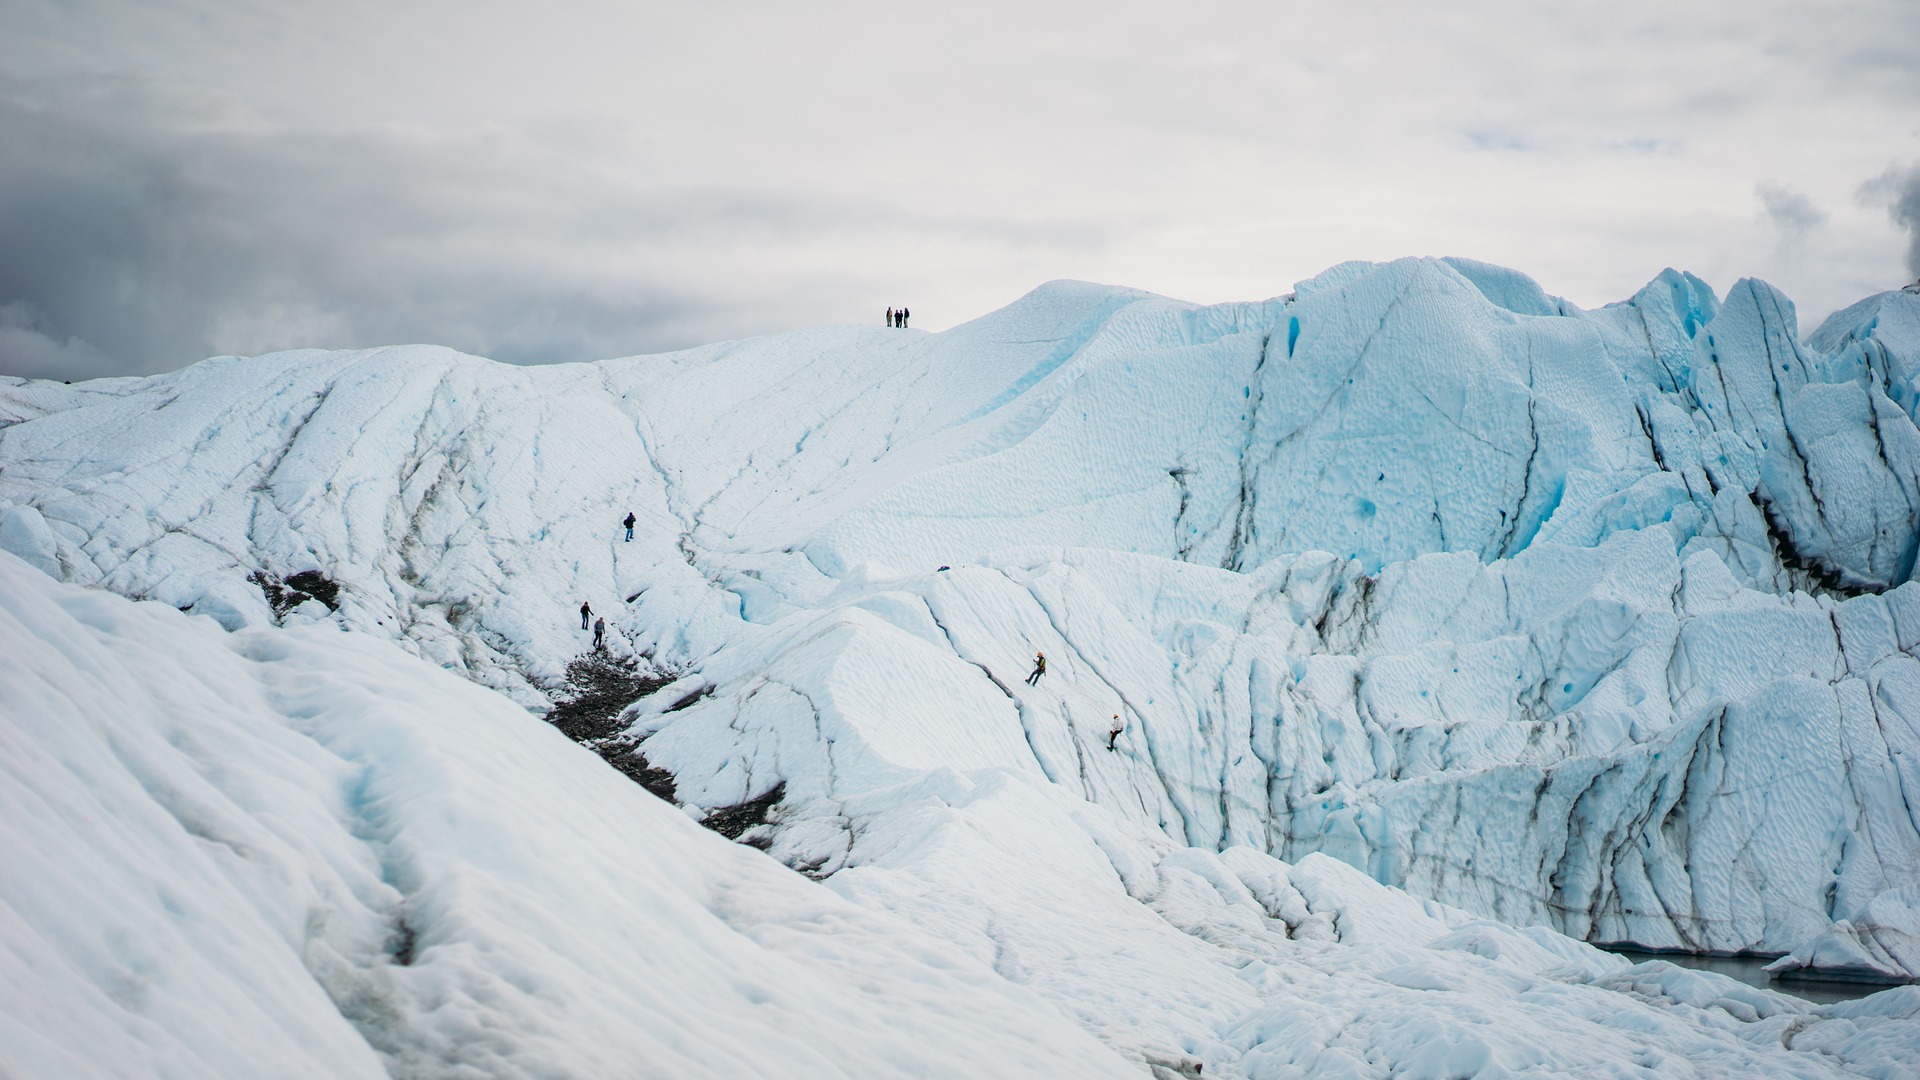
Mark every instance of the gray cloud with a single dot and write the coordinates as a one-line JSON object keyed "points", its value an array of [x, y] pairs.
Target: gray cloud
{"points": [[585, 178], [1899, 189], [27, 349], [145, 232], [1792, 211], [142, 237]]}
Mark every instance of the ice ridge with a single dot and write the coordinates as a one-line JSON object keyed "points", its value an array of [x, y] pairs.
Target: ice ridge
{"points": [[1593, 620]]}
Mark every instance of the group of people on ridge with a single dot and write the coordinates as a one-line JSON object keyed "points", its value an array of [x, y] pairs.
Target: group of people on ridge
{"points": [[897, 318]]}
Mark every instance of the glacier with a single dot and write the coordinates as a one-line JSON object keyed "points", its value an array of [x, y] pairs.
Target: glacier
{"points": [[1450, 624]]}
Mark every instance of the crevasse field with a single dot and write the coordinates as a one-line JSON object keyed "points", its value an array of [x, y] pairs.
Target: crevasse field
{"points": [[1449, 625]]}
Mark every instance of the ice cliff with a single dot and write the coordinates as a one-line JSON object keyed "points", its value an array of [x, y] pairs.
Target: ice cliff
{"points": [[1591, 620]]}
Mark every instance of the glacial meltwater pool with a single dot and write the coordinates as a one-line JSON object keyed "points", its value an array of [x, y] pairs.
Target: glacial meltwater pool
{"points": [[1752, 970]]}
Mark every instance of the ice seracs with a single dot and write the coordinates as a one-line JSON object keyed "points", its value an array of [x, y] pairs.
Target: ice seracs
{"points": [[1591, 620]]}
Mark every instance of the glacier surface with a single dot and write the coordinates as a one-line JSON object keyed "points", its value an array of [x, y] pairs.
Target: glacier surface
{"points": [[1415, 583], [302, 853]]}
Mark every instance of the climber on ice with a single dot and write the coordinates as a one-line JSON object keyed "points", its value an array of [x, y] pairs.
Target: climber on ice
{"points": [[1113, 732], [599, 634], [629, 524], [586, 613], [1039, 668]]}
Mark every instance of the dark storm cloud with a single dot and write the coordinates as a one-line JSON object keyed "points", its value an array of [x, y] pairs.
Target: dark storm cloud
{"points": [[143, 233], [1899, 189]]}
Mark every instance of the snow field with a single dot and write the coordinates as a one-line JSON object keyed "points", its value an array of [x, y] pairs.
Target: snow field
{"points": [[306, 853]]}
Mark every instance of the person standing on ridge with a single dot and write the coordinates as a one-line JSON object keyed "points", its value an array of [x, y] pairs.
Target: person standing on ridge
{"points": [[629, 524], [903, 318], [889, 318], [599, 635], [1113, 733], [586, 613], [1039, 669]]}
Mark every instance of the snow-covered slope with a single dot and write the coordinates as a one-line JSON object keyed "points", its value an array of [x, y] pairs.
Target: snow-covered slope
{"points": [[1593, 620], [305, 853]]}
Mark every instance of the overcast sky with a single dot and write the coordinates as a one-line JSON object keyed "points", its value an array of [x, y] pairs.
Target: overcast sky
{"points": [[573, 179]]}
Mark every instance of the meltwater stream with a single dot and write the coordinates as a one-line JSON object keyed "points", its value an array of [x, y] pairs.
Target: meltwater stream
{"points": [[1752, 970]]}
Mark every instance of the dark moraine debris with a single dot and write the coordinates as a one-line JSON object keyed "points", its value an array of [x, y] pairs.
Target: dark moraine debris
{"points": [[732, 821], [317, 585], [598, 686], [641, 771], [689, 700], [597, 689], [402, 942], [280, 598], [284, 596]]}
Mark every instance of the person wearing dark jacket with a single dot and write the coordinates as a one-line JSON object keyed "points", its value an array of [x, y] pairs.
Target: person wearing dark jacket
{"points": [[586, 613], [629, 524], [1039, 668]]}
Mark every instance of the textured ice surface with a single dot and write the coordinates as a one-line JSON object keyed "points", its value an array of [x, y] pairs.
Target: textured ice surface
{"points": [[305, 853], [1591, 620]]}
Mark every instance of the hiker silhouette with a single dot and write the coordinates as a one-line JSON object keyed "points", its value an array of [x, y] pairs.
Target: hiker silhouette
{"points": [[1039, 668]]}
